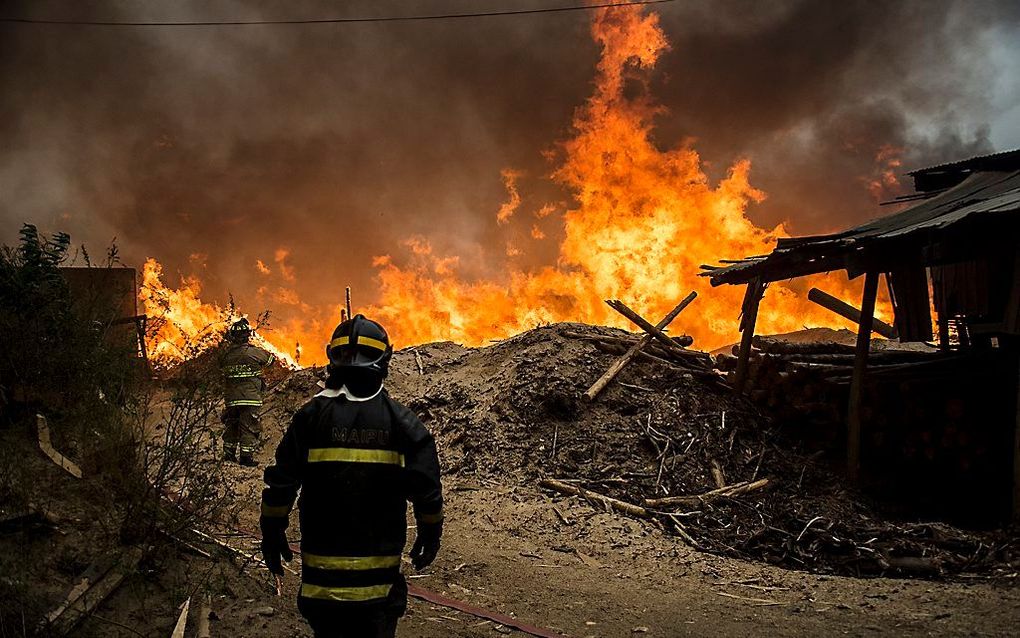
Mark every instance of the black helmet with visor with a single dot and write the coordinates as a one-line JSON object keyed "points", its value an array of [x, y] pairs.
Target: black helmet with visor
{"points": [[239, 331], [359, 356]]}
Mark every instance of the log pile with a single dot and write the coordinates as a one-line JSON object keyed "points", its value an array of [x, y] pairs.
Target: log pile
{"points": [[808, 382]]}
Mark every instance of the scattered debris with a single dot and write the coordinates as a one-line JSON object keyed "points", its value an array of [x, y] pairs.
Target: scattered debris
{"points": [[47, 447], [92, 588], [182, 620]]}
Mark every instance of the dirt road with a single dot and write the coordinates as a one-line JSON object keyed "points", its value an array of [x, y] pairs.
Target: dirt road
{"points": [[561, 564]]}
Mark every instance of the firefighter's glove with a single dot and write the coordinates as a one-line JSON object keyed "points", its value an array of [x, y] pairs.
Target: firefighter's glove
{"points": [[426, 545], [274, 545]]}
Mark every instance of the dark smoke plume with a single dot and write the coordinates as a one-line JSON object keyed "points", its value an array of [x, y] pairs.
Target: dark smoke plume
{"points": [[316, 148]]}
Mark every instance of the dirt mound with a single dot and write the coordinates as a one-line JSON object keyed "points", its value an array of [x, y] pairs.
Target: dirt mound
{"points": [[512, 411]]}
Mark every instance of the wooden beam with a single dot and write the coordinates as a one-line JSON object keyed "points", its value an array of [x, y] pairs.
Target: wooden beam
{"points": [[749, 315], [853, 434], [655, 331], [621, 362], [845, 310], [1016, 454], [182, 620], [46, 445]]}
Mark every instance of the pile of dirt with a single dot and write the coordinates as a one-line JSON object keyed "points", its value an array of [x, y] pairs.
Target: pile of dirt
{"points": [[513, 412]]}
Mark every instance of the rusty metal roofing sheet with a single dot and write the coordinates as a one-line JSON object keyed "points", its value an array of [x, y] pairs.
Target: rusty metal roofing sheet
{"points": [[981, 194]]}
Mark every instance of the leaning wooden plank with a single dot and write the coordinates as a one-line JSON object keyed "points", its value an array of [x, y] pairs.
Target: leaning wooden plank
{"points": [[47, 447], [622, 362], [697, 499], [182, 620], [88, 594], [574, 490], [845, 310]]}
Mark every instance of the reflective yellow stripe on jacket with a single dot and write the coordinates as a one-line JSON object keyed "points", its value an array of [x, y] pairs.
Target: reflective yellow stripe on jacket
{"points": [[345, 594], [349, 563], [242, 372], [355, 455]]}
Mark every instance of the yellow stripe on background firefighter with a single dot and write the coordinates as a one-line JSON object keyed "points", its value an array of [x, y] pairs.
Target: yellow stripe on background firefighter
{"points": [[357, 457], [242, 365]]}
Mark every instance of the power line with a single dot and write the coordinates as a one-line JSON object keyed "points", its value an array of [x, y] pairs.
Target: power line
{"points": [[441, 16]]}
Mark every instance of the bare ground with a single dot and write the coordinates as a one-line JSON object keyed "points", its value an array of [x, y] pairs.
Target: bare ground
{"points": [[550, 561]]}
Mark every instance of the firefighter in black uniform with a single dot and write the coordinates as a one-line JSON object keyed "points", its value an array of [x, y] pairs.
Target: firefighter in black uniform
{"points": [[242, 365], [358, 457]]}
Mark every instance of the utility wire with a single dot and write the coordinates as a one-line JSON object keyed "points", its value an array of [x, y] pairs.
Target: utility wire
{"points": [[441, 16]]}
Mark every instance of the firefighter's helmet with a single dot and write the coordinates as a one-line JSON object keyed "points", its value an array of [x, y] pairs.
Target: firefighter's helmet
{"points": [[239, 331], [360, 344]]}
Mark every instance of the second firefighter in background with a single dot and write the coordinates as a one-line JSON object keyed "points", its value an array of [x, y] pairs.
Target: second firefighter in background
{"points": [[242, 365], [357, 457]]}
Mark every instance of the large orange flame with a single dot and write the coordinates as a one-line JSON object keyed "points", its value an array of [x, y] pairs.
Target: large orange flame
{"points": [[182, 325], [644, 220]]}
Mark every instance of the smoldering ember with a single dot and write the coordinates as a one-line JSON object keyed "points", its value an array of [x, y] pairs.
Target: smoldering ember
{"points": [[480, 317]]}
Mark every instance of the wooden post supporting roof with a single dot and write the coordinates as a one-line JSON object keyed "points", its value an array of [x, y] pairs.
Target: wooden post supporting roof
{"points": [[1016, 452], [853, 421], [749, 315]]}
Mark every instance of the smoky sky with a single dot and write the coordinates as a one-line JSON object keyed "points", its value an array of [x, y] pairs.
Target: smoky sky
{"points": [[212, 147]]}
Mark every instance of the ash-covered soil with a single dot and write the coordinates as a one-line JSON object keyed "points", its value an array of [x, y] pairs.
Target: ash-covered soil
{"points": [[512, 412]]}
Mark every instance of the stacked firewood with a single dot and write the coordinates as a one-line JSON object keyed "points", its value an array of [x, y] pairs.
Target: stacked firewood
{"points": [[808, 382]]}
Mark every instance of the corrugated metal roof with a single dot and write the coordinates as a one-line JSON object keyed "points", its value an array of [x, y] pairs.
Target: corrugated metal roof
{"points": [[981, 195], [1006, 160]]}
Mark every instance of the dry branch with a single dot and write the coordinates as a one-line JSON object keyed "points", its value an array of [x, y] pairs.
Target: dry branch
{"points": [[574, 490], [728, 491]]}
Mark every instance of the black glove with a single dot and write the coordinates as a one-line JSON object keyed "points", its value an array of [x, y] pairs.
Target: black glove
{"points": [[426, 545], [275, 546]]}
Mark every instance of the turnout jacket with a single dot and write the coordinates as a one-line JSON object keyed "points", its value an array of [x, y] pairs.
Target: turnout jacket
{"points": [[242, 366], [356, 464]]}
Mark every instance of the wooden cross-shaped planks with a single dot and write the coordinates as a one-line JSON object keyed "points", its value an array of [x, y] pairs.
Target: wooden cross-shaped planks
{"points": [[654, 332]]}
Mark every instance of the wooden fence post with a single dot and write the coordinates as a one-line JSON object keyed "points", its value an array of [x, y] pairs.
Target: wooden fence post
{"points": [[853, 421], [749, 315]]}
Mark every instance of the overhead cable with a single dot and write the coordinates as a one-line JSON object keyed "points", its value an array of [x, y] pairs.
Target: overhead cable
{"points": [[411, 18]]}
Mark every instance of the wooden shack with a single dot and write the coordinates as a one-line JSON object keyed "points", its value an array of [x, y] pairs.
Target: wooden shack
{"points": [[955, 251], [108, 297]]}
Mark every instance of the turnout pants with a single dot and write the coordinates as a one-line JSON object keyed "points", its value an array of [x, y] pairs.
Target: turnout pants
{"points": [[376, 625], [241, 426]]}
